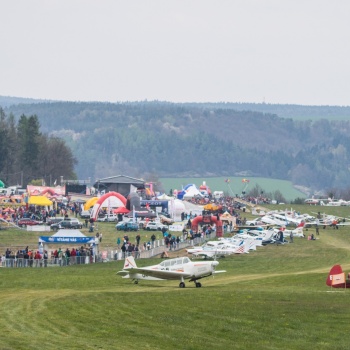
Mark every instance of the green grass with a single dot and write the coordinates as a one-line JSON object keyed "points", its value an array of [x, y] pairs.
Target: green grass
{"points": [[274, 298], [236, 185]]}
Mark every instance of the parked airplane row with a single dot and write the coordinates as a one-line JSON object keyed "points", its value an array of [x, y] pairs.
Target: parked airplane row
{"points": [[291, 218], [243, 242], [327, 202]]}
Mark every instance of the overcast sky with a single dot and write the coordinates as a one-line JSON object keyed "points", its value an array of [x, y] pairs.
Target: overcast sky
{"points": [[273, 51]]}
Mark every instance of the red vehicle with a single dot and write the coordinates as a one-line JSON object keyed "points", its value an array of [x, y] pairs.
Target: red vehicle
{"points": [[28, 222]]}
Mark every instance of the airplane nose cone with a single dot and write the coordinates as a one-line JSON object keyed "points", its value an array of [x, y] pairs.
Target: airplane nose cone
{"points": [[215, 263]]}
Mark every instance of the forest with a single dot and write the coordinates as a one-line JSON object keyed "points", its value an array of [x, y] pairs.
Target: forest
{"points": [[163, 139], [27, 154]]}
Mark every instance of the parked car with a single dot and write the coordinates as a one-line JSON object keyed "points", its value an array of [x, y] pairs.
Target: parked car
{"points": [[127, 226], [155, 226], [28, 222], [85, 214], [54, 220], [68, 224], [166, 220], [109, 218]]}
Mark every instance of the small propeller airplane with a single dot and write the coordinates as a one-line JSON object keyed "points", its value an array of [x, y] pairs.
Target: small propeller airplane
{"points": [[181, 268], [336, 278]]}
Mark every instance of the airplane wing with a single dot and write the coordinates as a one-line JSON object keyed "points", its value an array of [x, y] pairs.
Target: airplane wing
{"points": [[208, 254], [163, 274], [123, 273]]}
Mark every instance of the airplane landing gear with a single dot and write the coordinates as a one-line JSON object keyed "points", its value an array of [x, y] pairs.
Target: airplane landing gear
{"points": [[198, 285], [182, 285]]}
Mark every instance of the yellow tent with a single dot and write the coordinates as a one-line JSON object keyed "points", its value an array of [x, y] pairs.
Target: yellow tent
{"points": [[90, 203], [39, 200], [226, 216], [211, 207]]}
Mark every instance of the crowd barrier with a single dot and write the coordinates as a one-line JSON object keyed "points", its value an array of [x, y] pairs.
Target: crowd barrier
{"points": [[104, 255]]}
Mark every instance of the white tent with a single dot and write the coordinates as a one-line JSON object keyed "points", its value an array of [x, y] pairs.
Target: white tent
{"points": [[192, 192], [176, 207], [68, 237], [164, 197]]}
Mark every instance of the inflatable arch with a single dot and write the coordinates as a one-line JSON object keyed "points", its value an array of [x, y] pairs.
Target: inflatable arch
{"points": [[48, 191], [111, 199], [207, 219]]}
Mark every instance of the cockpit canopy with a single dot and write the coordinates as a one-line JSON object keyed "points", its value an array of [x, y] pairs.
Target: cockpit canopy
{"points": [[176, 261]]}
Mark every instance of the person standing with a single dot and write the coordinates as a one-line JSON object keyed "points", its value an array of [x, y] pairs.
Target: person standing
{"points": [[46, 257], [37, 258], [317, 230], [124, 250], [153, 239], [291, 237], [138, 238]]}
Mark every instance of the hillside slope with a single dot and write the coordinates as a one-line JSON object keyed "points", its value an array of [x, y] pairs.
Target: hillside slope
{"points": [[167, 139]]}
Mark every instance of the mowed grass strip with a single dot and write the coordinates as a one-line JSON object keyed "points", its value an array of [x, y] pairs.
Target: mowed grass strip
{"points": [[274, 298]]}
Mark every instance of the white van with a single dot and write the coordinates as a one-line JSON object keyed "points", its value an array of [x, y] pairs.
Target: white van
{"points": [[109, 218]]}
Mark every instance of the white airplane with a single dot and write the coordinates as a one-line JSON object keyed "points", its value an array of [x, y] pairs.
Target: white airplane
{"points": [[171, 269], [298, 232], [211, 245], [227, 249]]}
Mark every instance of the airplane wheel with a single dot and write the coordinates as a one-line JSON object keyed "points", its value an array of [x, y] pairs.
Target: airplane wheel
{"points": [[136, 282], [182, 285], [198, 285]]}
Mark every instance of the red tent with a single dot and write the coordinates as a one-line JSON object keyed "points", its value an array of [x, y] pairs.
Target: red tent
{"points": [[121, 210]]}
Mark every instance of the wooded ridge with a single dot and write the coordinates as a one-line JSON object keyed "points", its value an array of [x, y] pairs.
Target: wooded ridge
{"points": [[174, 139]]}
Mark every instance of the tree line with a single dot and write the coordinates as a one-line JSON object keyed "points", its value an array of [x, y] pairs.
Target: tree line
{"points": [[27, 154], [190, 140]]}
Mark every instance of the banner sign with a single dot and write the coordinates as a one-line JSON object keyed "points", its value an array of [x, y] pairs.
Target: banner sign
{"points": [[82, 240], [42, 190], [154, 203]]}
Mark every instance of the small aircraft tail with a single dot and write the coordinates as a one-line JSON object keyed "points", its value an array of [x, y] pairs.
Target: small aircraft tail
{"points": [[241, 249], [129, 263], [302, 224]]}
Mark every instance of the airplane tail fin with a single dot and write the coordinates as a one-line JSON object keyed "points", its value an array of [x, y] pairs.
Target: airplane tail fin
{"points": [[241, 249], [335, 270], [129, 263], [302, 224]]}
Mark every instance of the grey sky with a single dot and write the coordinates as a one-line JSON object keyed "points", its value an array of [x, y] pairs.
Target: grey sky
{"points": [[277, 51]]}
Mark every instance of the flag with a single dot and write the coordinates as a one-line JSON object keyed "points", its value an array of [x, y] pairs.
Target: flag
{"points": [[227, 180], [338, 279]]}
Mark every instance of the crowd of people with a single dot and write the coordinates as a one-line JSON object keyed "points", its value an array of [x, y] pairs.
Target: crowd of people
{"points": [[82, 255], [41, 258], [13, 214]]}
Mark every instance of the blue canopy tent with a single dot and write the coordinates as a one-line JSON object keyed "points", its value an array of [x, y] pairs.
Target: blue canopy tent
{"points": [[67, 237]]}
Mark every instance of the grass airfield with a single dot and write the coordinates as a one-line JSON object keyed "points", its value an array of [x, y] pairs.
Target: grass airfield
{"points": [[274, 298]]}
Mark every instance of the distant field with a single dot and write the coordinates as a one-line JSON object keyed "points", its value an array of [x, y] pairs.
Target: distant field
{"points": [[236, 185]]}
